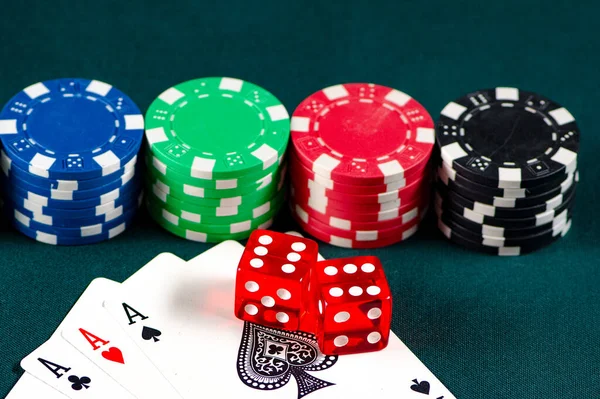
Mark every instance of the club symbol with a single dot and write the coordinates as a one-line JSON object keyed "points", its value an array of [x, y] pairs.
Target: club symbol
{"points": [[79, 382], [275, 349]]}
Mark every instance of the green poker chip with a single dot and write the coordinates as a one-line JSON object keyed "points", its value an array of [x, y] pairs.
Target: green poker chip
{"points": [[163, 216], [214, 215], [217, 128], [193, 196], [217, 187], [208, 237], [208, 197]]}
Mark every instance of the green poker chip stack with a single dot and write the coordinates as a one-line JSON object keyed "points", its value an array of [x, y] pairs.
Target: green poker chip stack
{"points": [[215, 159]]}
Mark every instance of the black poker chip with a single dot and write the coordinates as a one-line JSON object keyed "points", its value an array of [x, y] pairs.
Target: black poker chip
{"points": [[503, 202], [505, 250], [502, 212], [450, 217], [508, 138]]}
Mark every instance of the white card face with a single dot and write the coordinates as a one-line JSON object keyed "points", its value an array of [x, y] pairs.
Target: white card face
{"points": [[142, 321], [221, 354], [29, 387], [65, 369], [93, 332]]}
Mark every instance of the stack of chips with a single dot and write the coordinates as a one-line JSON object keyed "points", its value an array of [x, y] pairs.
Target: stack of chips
{"points": [[215, 152], [359, 165], [508, 171], [69, 161]]}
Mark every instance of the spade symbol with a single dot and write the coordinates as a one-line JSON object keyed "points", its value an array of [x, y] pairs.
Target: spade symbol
{"points": [[79, 383], [149, 333], [420, 387]]}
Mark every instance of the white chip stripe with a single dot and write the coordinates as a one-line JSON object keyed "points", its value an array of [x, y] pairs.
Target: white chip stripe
{"points": [[562, 116], [453, 110], [89, 231], [298, 124], [397, 97], [566, 157], [202, 168], [40, 164], [170, 96], [192, 217], [61, 195], [392, 171], [507, 93], [231, 84], [267, 154], [8, 126], [452, 152], [115, 231], [325, 164], [366, 235], [302, 214], [425, 135], [335, 92], [98, 87], [169, 217], [109, 162], [278, 113], [46, 238], [226, 184], [509, 177], [193, 191], [36, 90], [134, 122]]}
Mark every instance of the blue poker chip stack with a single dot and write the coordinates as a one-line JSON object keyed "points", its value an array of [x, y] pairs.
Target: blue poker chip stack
{"points": [[68, 161]]}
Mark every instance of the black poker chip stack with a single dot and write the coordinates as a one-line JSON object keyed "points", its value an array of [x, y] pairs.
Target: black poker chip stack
{"points": [[507, 171]]}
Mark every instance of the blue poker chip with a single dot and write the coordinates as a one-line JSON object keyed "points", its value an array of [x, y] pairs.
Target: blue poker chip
{"points": [[83, 231], [90, 236], [14, 199], [105, 214], [71, 129], [80, 195], [132, 185], [14, 173]]}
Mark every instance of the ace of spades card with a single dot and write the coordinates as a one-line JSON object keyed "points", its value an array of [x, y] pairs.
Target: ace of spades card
{"points": [[213, 352]]}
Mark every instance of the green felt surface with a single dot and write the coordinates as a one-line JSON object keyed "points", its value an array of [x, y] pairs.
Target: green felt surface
{"points": [[488, 327]]}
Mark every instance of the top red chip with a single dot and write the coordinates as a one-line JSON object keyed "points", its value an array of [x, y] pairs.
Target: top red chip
{"points": [[362, 133]]}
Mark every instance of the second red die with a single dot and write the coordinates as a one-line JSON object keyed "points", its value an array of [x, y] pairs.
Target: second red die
{"points": [[272, 284], [353, 305]]}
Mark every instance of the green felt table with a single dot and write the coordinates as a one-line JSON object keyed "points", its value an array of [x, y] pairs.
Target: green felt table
{"points": [[488, 327]]}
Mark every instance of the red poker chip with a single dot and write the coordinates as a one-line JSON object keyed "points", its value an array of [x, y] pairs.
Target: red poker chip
{"points": [[418, 212], [372, 234], [300, 169], [362, 134], [323, 203], [407, 194], [332, 239], [349, 214]]}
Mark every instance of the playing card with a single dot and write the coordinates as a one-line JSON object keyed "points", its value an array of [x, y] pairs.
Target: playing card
{"points": [[217, 351], [65, 369], [29, 387], [141, 320], [92, 331]]}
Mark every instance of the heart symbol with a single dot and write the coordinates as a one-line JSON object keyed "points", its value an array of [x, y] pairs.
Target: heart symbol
{"points": [[114, 355], [420, 387]]}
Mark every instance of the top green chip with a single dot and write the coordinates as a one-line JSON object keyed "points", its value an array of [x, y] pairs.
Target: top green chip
{"points": [[217, 127]]}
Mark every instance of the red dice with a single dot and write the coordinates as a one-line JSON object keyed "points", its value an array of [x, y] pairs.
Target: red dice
{"points": [[353, 303], [346, 303], [273, 278]]}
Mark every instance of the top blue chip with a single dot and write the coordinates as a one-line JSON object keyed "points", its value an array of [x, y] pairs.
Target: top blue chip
{"points": [[74, 129]]}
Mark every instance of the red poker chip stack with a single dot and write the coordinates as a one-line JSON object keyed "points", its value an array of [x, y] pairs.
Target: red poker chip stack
{"points": [[359, 165]]}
